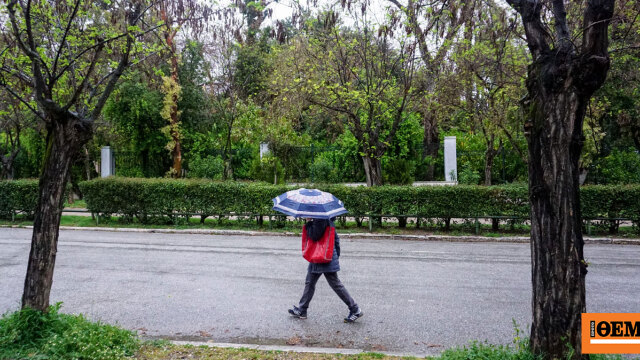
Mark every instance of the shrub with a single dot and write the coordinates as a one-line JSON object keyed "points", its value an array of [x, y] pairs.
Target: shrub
{"points": [[619, 167], [161, 198], [399, 172], [468, 176], [51, 335], [209, 167], [268, 169], [18, 196], [323, 171]]}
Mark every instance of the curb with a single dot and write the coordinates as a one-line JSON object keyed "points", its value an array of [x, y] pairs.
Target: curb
{"points": [[360, 236], [298, 349]]}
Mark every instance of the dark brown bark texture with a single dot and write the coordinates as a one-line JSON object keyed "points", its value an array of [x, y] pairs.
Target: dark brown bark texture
{"points": [[430, 141], [560, 83], [65, 138], [373, 170]]}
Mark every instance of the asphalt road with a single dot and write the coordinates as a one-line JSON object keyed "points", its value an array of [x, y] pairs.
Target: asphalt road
{"points": [[418, 297]]}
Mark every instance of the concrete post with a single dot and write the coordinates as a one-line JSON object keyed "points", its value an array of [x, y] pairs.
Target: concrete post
{"points": [[107, 162], [264, 149], [450, 161]]}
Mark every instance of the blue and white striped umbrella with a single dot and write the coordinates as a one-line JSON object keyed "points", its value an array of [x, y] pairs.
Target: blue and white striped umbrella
{"points": [[309, 203]]}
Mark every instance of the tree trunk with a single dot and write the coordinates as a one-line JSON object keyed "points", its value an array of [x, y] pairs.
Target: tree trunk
{"points": [[489, 156], [7, 170], [64, 140], [175, 135], [430, 142], [227, 173], [560, 82], [373, 170], [558, 266], [87, 163], [176, 152]]}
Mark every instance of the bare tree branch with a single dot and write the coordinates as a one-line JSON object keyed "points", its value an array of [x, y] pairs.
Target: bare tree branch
{"points": [[64, 36]]}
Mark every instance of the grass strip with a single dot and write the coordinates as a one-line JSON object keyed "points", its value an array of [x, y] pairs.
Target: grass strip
{"points": [[390, 228]]}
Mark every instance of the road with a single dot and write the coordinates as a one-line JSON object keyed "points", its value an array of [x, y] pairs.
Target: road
{"points": [[419, 297]]}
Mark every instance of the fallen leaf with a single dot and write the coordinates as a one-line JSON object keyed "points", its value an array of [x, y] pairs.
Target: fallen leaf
{"points": [[294, 340]]}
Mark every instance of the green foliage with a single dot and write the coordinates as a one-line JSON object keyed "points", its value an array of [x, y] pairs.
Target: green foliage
{"points": [[209, 167], [252, 70], [398, 171], [323, 171], [619, 167], [133, 112], [162, 197], [29, 160], [468, 176], [484, 351], [268, 169], [346, 163], [148, 198], [30, 334], [18, 196]]}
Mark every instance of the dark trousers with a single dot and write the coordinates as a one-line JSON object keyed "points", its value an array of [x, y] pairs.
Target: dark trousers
{"points": [[334, 282]]}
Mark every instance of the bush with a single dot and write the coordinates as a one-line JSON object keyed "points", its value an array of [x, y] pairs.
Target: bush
{"points": [[399, 172], [268, 169], [620, 167], [145, 198], [209, 167], [18, 196], [468, 176], [323, 171], [51, 335]]}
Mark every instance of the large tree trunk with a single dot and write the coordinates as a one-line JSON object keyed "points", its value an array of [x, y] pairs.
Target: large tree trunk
{"points": [[560, 82], [430, 142], [558, 266], [373, 170], [64, 140]]}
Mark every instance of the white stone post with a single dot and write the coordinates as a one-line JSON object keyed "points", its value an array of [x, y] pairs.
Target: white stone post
{"points": [[450, 162], [264, 149], [107, 162]]}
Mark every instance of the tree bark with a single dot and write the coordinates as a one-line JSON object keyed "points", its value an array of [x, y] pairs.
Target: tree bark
{"points": [[176, 153], [489, 156], [430, 142], [64, 140], [558, 266], [373, 170], [8, 170], [169, 36], [560, 83]]}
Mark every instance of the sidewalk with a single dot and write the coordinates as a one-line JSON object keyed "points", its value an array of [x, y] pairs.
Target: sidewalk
{"points": [[299, 349]]}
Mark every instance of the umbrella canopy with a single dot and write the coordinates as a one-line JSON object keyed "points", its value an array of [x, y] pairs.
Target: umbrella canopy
{"points": [[309, 203]]}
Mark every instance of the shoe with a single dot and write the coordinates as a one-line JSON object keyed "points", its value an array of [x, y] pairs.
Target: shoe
{"points": [[296, 312], [353, 316]]}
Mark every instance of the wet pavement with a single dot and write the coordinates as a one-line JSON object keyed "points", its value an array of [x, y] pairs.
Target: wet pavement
{"points": [[419, 297]]}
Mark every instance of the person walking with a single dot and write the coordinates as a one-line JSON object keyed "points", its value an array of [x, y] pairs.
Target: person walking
{"points": [[315, 229]]}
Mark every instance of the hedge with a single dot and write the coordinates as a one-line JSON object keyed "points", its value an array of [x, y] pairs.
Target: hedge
{"points": [[18, 196], [149, 198]]}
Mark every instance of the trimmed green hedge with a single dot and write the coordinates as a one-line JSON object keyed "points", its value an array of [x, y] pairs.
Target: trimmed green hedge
{"points": [[18, 196], [146, 199]]}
